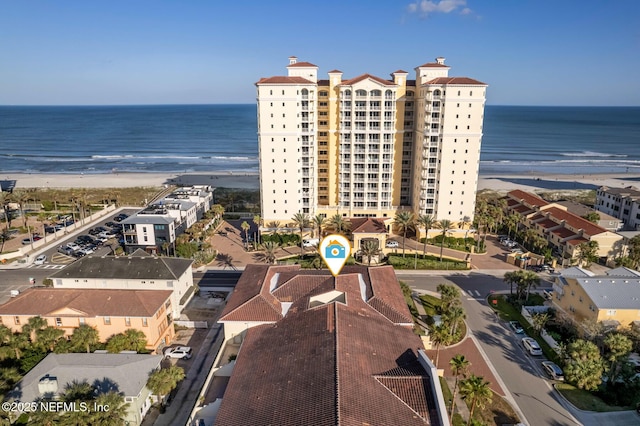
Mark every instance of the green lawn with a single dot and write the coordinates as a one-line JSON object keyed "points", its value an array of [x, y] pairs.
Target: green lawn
{"points": [[423, 262], [430, 303], [585, 400]]}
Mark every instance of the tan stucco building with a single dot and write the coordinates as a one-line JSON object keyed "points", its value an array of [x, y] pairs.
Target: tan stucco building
{"points": [[368, 146], [612, 298]]}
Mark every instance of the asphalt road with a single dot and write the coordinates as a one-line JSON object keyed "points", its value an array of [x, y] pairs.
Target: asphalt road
{"points": [[521, 374]]}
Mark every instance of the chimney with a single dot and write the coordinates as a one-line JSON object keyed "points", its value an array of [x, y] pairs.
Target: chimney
{"points": [[292, 60], [440, 60]]}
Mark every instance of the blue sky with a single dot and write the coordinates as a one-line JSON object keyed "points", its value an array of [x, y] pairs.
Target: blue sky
{"points": [[545, 52]]}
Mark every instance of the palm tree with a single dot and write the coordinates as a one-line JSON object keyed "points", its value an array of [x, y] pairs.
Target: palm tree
{"points": [[370, 249], [116, 413], [453, 316], [48, 337], [477, 389], [218, 210], [445, 225], [404, 221], [33, 325], [440, 336], [162, 382], [258, 221], [77, 390], [426, 221], [511, 278], [318, 220], [136, 340], [4, 203], [301, 221], [270, 248], [17, 342], [84, 337], [245, 228], [338, 224], [530, 279], [20, 197], [459, 366]]}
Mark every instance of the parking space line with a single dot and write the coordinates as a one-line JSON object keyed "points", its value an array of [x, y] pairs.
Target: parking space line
{"points": [[477, 293]]}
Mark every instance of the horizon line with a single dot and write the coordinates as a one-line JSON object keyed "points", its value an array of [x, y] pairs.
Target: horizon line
{"points": [[253, 104]]}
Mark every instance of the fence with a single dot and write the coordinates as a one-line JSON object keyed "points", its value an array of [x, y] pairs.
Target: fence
{"points": [[192, 324]]}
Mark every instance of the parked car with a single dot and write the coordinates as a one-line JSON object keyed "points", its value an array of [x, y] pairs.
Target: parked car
{"points": [[49, 229], [553, 370], [40, 260], [180, 352], [120, 217], [392, 244], [531, 346], [66, 250], [313, 242], [516, 326], [73, 246]]}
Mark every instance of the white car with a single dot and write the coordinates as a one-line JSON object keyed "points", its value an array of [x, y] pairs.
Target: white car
{"points": [[552, 369], [531, 346], [106, 235], [313, 242], [73, 246], [40, 260], [180, 352], [392, 244]]}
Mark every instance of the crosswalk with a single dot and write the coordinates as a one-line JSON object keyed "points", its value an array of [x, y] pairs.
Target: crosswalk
{"points": [[46, 266], [470, 294]]}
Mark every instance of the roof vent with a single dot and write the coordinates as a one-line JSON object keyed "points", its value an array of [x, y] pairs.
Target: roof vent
{"points": [[326, 298], [48, 385]]}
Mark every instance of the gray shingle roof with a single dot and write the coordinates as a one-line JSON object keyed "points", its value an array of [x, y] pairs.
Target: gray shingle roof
{"points": [[149, 219], [612, 292], [124, 373], [126, 267]]}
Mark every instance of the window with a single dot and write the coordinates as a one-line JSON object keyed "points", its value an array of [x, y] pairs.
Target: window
{"points": [[81, 321], [145, 322], [127, 321], [16, 320], [611, 312], [107, 320], [58, 322]]}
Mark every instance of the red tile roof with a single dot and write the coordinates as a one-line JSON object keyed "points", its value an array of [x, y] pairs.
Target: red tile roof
{"points": [[283, 80], [334, 71], [367, 225], [301, 64], [512, 202], [548, 223], [563, 232], [456, 80], [433, 65], [527, 197], [577, 241], [537, 216], [334, 364], [522, 209], [399, 72], [87, 302], [366, 76], [575, 221]]}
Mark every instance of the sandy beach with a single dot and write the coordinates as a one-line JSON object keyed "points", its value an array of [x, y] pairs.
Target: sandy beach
{"points": [[501, 183]]}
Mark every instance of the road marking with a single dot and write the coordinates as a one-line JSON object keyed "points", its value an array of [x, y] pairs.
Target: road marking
{"points": [[463, 292], [477, 293]]}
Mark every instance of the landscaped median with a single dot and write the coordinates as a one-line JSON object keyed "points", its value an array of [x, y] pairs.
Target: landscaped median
{"points": [[585, 400]]}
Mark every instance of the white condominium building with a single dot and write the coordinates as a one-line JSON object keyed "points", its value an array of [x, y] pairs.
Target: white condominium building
{"points": [[367, 146]]}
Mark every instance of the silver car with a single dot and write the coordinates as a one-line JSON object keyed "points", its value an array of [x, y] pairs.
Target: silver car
{"points": [[531, 346], [553, 370]]}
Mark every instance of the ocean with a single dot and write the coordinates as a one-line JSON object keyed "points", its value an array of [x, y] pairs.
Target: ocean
{"points": [[215, 138]]}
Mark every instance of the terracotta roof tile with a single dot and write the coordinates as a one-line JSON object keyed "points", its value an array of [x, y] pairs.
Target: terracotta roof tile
{"points": [[399, 72], [364, 77], [577, 241], [465, 81], [433, 65], [301, 64], [547, 223], [92, 302], [563, 232], [522, 209], [537, 216], [527, 197], [334, 71], [367, 225], [512, 202], [575, 221], [283, 80], [334, 364]]}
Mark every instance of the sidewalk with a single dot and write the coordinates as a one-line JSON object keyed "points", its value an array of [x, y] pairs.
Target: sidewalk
{"points": [[461, 406]]}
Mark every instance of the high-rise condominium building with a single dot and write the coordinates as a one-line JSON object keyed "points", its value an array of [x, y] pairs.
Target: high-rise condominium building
{"points": [[367, 146]]}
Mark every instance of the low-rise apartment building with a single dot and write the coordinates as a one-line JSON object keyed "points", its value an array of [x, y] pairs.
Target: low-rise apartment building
{"points": [[108, 311], [612, 298], [126, 373], [156, 227], [563, 230], [623, 203], [137, 271]]}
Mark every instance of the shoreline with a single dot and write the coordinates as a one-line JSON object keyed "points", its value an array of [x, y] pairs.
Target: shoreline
{"points": [[250, 180]]}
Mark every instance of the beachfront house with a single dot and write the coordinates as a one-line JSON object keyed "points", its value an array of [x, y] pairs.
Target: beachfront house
{"points": [[108, 311], [612, 298], [156, 227], [126, 374], [137, 271], [563, 230], [623, 203]]}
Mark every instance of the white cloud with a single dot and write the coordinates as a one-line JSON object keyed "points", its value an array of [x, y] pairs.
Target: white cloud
{"points": [[428, 7]]}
